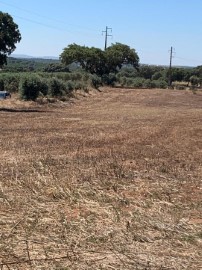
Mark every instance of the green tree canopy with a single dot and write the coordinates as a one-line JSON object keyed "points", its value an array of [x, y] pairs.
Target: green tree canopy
{"points": [[119, 54], [9, 36], [147, 71], [94, 60], [90, 59]]}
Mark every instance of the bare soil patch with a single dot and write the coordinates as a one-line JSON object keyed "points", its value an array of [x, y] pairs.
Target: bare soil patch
{"points": [[109, 181]]}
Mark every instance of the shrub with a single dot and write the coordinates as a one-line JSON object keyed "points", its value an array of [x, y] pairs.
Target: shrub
{"points": [[43, 86], [76, 76], [132, 82], [157, 75], [86, 77], [70, 86], [30, 87], [129, 82], [138, 82], [109, 79], [95, 81], [159, 84], [194, 80], [66, 76], [129, 72], [122, 81], [56, 87], [79, 85], [10, 81], [149, 83], [62, 76], [1, 84]]}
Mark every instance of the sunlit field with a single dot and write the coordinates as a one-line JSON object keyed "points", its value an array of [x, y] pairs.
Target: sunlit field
{"points": [[109, 180]]}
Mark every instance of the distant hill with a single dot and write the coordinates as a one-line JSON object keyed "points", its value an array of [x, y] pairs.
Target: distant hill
{"points": [[24, 56], [28, 63]]}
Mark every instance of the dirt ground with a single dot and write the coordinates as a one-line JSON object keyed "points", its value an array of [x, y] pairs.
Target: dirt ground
{"points": [[110, 180]]}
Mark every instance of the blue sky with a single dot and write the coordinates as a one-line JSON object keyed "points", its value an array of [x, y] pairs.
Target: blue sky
{"points": [[149, 26]]}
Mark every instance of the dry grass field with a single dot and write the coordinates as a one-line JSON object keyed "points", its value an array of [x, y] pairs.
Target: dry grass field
{"points": [[107, 181]]}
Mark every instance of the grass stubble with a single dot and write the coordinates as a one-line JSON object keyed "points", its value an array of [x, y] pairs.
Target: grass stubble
{"points": [[109, 181]]}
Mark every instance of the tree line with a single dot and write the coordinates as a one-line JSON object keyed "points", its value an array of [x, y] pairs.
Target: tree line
{"points": [[117, 65]]}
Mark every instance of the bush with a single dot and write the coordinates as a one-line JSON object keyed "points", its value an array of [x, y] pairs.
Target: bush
{"points": [[95, 81], [138, 82], [30, 87], [86, 77], [70, 86], [132, 82], [161, 84], [194, 80], [56, 87], [1, 84], [122, 81], [62, 76], [76, 76], [149, 84], [129, 82], [128, 72], [157, 75], [79, 85], [109, 79], [43, 86], [10, 82]]}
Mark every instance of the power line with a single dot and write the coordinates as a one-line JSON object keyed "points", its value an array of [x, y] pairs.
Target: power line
{"points": [[54, 27], [107, 35], [43, 24], [45, 17]]}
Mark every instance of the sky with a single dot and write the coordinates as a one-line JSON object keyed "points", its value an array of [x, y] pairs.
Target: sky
{"points": [[151, 27]]}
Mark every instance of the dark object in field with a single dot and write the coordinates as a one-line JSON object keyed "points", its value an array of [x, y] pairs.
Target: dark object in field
{"points": [[4, 95]]}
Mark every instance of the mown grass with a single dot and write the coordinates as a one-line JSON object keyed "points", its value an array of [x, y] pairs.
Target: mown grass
{"points": [[110, 181]]}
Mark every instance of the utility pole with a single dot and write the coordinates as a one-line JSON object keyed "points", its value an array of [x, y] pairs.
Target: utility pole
{"points": [[106, 35], [170, 67]]}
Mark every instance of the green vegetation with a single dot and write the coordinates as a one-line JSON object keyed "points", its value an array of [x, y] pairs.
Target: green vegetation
{"points": [[94, 60], [49, 80], [32, 85], [57, 88], [61, 79], [33, 65], [81, 68], [157, 77], [9, 36]]}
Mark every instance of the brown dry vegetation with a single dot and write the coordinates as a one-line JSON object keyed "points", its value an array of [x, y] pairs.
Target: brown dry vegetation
{"points": [[109, 181]]}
